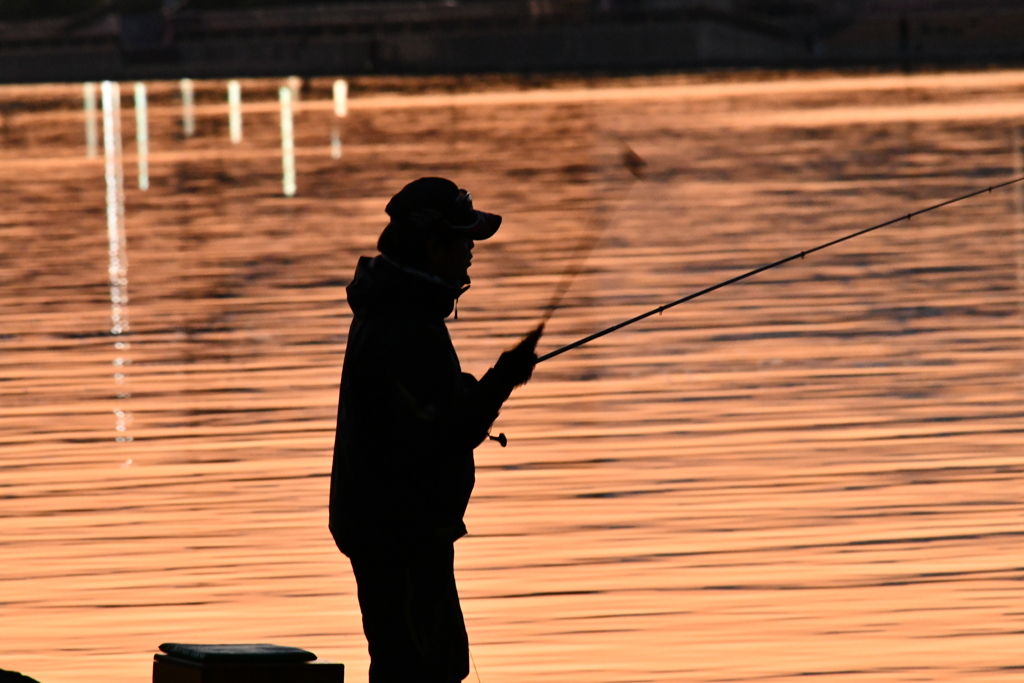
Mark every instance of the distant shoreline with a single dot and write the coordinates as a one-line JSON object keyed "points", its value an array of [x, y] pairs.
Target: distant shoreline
{"points": [[387, 38]]}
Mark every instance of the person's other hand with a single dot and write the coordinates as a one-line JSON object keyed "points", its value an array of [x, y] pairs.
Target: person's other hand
{"points": [[516, 365]]}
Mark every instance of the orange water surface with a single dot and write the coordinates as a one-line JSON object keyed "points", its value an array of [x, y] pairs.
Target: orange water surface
{"points": [[815, 473]]}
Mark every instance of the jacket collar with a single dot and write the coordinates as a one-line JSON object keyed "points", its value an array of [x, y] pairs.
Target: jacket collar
{"points": [[431, 280], [382, 285]]}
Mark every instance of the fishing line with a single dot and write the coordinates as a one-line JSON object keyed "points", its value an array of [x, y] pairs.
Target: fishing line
{"points": [[636, 165], [576, 261], [751, 273], [473, 659]]}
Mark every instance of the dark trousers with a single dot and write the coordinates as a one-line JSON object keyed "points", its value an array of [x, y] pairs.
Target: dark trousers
{"points": [[411, 617]]}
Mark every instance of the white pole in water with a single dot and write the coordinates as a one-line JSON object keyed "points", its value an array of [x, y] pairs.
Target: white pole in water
{"points": [[235, 111], [89, 97], [341, 98], [287, 142], [1018, 196], [340, 110], [117, 269], [188, 112], [142, 134], [294, 84]]}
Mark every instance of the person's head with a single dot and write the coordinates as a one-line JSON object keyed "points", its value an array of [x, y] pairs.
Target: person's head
{"points": [[433, 227]]}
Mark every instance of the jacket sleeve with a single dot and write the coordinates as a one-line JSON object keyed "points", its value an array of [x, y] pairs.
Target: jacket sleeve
{"points": [[486, 397], [459, 423], [482, 406], [426, 407], [403, 478], [410, 421]]}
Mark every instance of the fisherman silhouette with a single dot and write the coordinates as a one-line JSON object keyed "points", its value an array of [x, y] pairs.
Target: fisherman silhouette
{"points": [[408, 421]]}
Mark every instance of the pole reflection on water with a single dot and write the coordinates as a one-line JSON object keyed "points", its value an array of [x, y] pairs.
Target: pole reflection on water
{"points": [[1018, 197], [117, 270], [816, 473]]}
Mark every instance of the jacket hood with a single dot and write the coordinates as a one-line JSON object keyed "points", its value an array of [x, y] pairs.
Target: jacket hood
{"points": [[381, 285]]}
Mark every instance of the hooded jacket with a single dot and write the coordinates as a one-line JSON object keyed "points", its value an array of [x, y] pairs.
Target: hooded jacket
{"points": [[408, 417]]}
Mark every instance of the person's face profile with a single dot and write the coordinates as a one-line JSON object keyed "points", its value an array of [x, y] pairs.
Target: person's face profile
{"points": [[451, 258]]}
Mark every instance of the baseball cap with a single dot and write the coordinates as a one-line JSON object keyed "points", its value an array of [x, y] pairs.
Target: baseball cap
{"points": [[454, 204]]}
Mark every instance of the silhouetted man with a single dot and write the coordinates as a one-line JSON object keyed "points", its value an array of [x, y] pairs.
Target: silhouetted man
{"points": [[408, 421]]}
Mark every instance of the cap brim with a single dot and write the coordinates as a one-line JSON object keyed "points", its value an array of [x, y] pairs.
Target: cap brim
{"points": [[485, 226]]}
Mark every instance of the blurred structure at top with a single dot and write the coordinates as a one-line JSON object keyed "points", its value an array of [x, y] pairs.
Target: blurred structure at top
{"points": [[92, 39]]}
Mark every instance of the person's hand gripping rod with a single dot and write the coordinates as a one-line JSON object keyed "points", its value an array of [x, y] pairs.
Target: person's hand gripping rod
{"points": [[517, 365]]}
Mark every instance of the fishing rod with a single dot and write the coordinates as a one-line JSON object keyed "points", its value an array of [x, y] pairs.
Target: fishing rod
{"points": [[751, 273]]}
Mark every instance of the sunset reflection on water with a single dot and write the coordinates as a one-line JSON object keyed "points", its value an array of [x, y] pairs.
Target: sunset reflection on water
{"points": [[816, 472]]}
